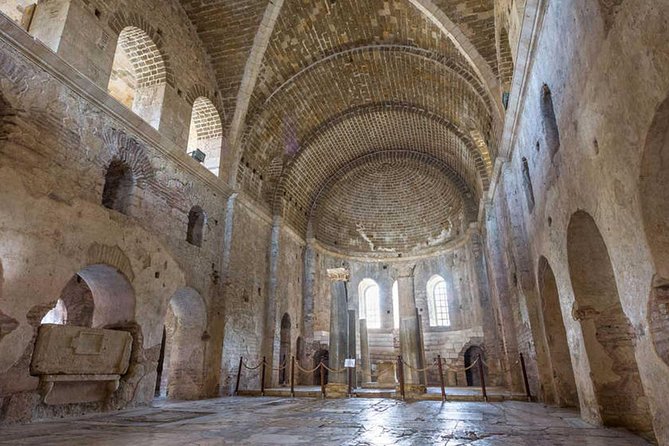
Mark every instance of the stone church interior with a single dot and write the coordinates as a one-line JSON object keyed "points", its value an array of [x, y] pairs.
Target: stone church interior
{"points": [[334, 222]]}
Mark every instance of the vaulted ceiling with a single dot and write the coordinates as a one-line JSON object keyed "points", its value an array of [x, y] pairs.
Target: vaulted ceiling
{"points": [[372, 121]]}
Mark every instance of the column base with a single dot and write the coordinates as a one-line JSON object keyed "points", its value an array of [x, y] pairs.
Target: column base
{"points": [[336, 390], [411, 390]]}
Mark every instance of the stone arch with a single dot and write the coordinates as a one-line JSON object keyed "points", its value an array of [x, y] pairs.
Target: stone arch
{"points": [[607, 332], [118, 187], [284, 349], [197, 219], [120, 20], [206, 134], [182, 366], [139, 75], [653, 184], [563, 381], [98, 295], [472, 369]]}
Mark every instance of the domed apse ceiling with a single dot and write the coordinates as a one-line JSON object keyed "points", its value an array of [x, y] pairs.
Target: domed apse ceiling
{"points": [[366, 120]]}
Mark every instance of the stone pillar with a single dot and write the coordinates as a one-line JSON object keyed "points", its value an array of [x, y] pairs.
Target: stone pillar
{"points": [[337, 382], [271, 331], [365, 365], [307, 326], [352, 326], [411, 349]]}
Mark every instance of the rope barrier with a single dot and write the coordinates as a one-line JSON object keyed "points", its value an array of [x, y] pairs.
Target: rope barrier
{"points": [[281, 367], [305, 370], [334, 370], [253, 368], [434, 363]]}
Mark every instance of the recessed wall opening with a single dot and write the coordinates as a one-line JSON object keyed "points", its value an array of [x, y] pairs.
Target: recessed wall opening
{"points": [[138, 76], [182, 359], [284, 350], [206, 134], [118, 187], [97, 296], [551, 132], [196, 222], [527, 185], [654, 183], [607, 332], [564, 384]]}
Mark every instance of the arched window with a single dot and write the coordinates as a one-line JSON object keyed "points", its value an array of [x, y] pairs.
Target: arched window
{"points": [[396, 305], [138, 76], [437, 297], [196, 220], [119, 184], [206, 134], [370, 309]]}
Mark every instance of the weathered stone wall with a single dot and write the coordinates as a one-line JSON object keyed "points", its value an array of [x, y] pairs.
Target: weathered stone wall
{"points": [[56, 144], [608, 77]]}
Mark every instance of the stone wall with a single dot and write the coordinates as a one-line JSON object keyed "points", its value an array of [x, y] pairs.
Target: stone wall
{"points": [[56, 142], [605, 104]]}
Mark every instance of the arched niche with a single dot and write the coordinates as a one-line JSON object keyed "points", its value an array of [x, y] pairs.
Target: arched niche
{"points": [[196, 222], [653, 187], [284, 349], [182, 368], [97, 296], [119, 186], [608, 335], [555, 334]]}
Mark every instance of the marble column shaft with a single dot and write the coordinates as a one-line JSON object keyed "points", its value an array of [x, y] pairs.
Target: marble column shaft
{"points": [[410, 347], [338, 324]]}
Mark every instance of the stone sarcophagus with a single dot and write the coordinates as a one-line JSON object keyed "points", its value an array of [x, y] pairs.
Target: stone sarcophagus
{"points": [[79, 364]]}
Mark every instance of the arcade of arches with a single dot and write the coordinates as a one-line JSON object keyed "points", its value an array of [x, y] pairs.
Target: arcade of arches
{"points": [[184, 183]]}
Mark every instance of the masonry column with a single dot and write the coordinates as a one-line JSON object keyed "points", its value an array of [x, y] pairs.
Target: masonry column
{"points": [[364, 353], [337, 382], [411, 349]]}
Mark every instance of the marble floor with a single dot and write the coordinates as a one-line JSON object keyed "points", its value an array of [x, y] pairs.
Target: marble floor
{"points": [[285, 421]]}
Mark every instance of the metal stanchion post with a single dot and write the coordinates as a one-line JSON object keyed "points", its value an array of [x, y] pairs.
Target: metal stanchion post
{"points": [[262, 378], [400, 373], [239, 374], [292, 376], [441, 378], [483, 390], [350, 390], [525, 380], [322, 379]]}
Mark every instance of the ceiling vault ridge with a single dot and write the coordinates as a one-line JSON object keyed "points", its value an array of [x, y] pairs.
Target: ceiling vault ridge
{"points": [[412, 50], [249, 79], [437, 16]]}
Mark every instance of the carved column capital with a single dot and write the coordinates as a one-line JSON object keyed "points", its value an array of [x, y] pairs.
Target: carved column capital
{"points": [[405, 270], [338, 274]]}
